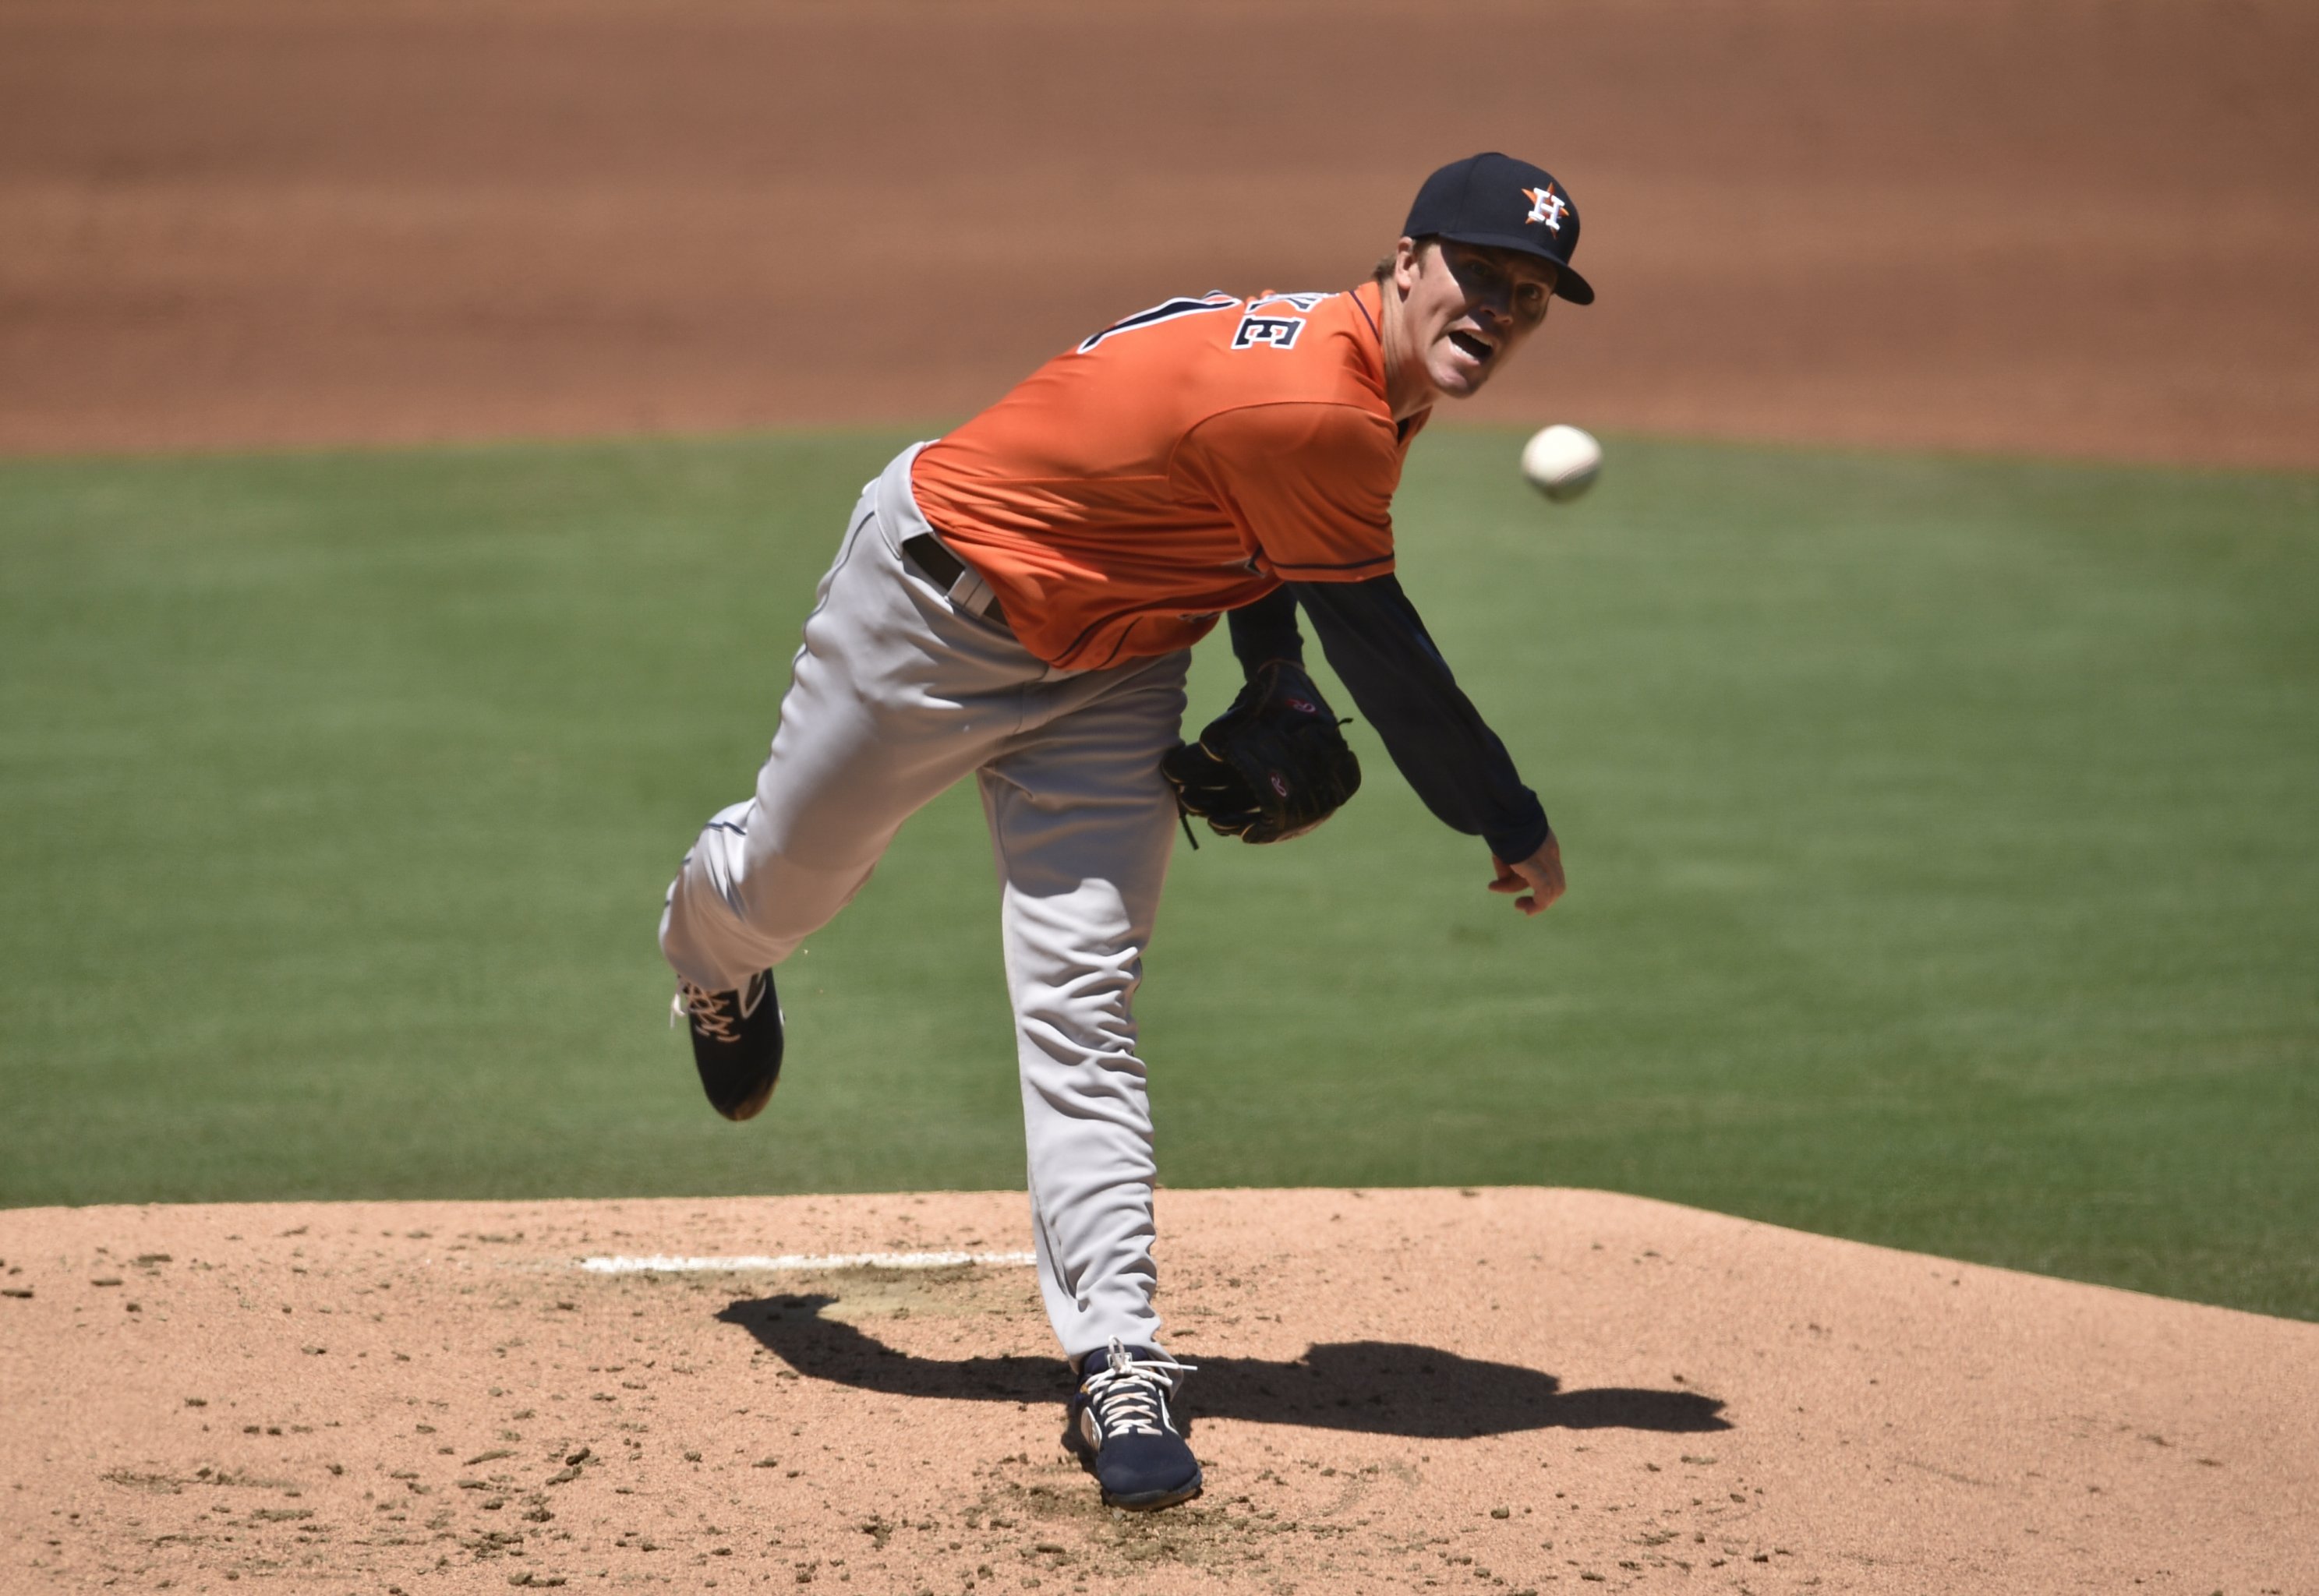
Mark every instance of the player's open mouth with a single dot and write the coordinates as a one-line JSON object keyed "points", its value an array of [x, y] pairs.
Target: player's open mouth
{"points": [[1476, 348]]}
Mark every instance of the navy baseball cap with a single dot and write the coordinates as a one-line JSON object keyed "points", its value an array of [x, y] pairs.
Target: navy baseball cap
{"points": [[1498, 202]]}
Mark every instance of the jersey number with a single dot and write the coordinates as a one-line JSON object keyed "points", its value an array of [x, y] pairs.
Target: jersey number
{"points": [[1275, 332], [1255, 331]]}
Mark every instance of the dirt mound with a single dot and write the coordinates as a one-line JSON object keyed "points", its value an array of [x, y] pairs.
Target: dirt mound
{"points": [[1503, 1389], [1994, 224]]}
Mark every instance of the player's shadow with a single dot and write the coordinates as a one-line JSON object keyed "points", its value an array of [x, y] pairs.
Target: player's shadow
{"points": [[1374, 1387]]}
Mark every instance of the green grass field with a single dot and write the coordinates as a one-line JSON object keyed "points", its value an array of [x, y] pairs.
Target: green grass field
{"points": [[1939, 832]]}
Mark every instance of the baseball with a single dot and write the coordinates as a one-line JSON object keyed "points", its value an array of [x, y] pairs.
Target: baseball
{"points": [[1561, 462]]}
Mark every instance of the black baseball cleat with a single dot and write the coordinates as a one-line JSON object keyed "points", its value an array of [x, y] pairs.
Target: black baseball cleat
{"points": [[1119, 1428], [736, 1042]]}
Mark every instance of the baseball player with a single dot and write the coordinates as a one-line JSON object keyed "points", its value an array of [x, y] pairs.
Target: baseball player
{"points": [[1018, 600]]}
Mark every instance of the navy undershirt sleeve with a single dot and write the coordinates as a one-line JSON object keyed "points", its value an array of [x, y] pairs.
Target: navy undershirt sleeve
{"points": [[1375, 642], [1266, 631]]}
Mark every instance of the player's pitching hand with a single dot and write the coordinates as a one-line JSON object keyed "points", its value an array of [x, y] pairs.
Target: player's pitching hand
{"points": [[1539, 876]]}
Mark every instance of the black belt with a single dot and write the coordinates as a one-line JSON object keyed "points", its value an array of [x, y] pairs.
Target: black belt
{"points": [[926, 551]]}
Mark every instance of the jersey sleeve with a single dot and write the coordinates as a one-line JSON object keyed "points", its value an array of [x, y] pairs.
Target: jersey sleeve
{"points": [[1309, 483]]}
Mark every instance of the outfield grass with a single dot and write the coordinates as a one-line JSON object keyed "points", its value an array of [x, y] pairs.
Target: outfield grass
{"points": [[1940, 840]]}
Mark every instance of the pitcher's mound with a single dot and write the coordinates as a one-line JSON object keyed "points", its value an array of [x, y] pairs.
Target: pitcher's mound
{"points": [[1494, 1390]]}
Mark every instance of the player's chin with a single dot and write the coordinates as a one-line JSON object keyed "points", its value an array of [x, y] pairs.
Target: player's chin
{"points": [[1460, 384]]}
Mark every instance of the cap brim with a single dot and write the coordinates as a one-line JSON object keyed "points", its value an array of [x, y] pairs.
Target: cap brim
{"points": [[1567, 284]]}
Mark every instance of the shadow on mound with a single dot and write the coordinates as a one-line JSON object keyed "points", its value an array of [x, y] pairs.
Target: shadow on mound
{"points": [[1374, 1387]]}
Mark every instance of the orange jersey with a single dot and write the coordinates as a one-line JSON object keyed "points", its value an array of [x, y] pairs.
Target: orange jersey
{"points": [[1181, 462]]}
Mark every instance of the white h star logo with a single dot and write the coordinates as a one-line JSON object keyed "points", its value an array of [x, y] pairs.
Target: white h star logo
{"points": [[1547, 206]]}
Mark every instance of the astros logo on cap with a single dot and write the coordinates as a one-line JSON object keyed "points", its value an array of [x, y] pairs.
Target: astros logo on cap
{"points": [[1547, 206]]}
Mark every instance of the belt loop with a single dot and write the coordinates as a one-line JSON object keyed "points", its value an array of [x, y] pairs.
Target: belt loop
{"points": [[961, 584], [970, 593]]}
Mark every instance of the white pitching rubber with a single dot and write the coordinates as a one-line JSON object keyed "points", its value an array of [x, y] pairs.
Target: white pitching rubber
{"points": [[662, 1264]]}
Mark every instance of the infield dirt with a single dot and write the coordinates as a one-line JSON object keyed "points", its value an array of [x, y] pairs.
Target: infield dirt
{"points": [[2036, 228], [1499, 1390]]}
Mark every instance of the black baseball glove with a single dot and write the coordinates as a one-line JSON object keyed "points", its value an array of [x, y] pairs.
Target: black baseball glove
{"points": [[1271, 767]]}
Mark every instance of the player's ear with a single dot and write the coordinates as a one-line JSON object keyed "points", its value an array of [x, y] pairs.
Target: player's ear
{"points": [[1408, 264]]}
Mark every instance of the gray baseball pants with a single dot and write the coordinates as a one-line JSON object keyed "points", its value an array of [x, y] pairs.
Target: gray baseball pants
{"points": [[897, 693]]}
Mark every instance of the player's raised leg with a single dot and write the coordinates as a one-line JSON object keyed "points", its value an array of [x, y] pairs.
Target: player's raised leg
{"points": [[894, 695]]}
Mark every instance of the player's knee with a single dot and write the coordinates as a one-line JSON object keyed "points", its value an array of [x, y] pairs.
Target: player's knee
{"points": [[1089, 1017]]}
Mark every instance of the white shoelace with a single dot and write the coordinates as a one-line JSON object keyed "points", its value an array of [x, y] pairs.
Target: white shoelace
{"points": [[1129, 1396], [705, 1009]]}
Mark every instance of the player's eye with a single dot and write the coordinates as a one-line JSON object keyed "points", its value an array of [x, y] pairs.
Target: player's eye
{"points": [[1475, 272]]}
